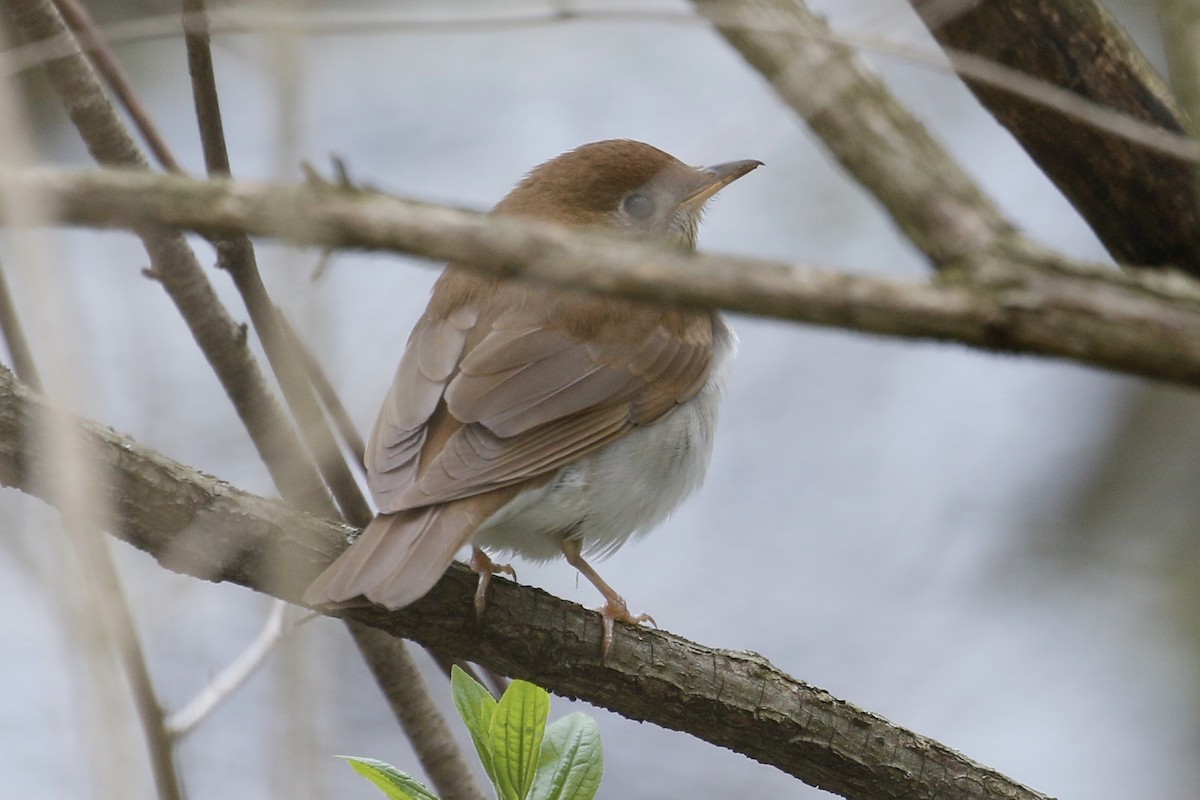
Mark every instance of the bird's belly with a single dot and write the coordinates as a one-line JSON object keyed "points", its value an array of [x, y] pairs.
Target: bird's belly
{"points": [[620, 491]]}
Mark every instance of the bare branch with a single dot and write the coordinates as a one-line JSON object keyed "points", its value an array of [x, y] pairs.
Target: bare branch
{"points": [[1180, 23], [236, 255], [85, 29], [197, 525], [218, 336], [1018, 298], [876, 139], [1143, 205], [15, 339], [378, 21], [230, 679], [329, 398], [112, 607]]}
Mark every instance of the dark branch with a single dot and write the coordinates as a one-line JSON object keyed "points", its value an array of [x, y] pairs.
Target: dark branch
{"points": [[1142, 204]]}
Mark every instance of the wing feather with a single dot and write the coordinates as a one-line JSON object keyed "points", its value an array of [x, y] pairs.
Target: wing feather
{"points": [[480, 403]]}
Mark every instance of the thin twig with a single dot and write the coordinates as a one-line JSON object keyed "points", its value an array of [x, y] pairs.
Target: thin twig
{"points": [[230, 679], [236, 255], [113, 606], [14, 338], [439, 753]]}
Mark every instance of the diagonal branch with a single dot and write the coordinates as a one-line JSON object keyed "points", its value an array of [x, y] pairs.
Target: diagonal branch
{"points": [[1017, 298], [195, 524], [1143, 204], [879, 142]]}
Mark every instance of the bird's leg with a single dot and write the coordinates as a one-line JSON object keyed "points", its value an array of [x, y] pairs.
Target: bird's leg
{"points": [[485, 568], [614, 605]]}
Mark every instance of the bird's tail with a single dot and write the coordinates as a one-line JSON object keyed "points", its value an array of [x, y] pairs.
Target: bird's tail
{"points": [[397, 558]]}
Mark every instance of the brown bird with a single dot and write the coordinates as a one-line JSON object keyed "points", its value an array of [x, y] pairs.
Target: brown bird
{"points": [[542, 421]]}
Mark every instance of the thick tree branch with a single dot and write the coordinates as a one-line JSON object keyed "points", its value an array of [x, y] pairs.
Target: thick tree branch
{"points": [[1016, 298], [1142, 204], [195, 524]]}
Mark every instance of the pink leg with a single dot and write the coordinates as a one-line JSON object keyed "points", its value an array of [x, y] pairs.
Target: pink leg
{"points": [[614, 605]]}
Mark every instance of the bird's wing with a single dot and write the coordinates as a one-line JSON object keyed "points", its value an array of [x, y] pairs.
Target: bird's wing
{"points": [[478, 404]]}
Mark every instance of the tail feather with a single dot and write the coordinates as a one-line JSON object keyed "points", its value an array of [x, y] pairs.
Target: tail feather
{"points": [[397, 558]]}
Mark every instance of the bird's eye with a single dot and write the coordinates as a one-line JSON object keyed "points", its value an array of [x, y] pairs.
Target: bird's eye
{"points": [[639, 206]]}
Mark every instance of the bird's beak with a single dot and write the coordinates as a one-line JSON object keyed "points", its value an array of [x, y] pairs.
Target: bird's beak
{"points": [[715, 178]]}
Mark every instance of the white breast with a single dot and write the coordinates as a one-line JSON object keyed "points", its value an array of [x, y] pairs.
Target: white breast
{"points": [[622, 490]]}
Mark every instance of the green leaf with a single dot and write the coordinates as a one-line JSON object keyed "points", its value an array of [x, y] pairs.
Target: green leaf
{"points": [[572, 760], [394, 783], [516, 737], [476, 706]]}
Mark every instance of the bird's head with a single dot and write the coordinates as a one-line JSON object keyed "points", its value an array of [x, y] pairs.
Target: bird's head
{"points": [[625, 185]]}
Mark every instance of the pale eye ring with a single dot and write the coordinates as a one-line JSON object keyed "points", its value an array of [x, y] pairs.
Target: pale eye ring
{"points": [[638, 206]]}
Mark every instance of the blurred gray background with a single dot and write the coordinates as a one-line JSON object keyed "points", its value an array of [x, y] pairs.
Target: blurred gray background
{"points": [[997, 552]]}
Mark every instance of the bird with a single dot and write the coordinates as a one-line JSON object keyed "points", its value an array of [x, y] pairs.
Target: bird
{"points": [[540, 421]]}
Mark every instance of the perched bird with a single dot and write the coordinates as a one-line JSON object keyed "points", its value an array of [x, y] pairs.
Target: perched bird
{"points": [[543, 421]]}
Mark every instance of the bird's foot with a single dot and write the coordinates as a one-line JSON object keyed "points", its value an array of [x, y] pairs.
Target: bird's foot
{"points": [[485, 568], [615, 610]]}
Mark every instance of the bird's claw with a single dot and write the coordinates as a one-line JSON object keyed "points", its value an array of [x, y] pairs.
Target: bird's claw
{"points": [[485, 568], [615, 610]]}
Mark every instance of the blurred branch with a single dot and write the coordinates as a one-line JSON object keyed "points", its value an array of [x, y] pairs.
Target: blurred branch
{"points": [[111, 607], [885, 148], [195, 524], [108, 606], [1017, 298], [15, 339], [389, 661], [100, 52], [1179, 21], [230, 679], [109, 618], [174, 264], [1144, 205], [236, 255], [408, 696], [234, 20]]}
